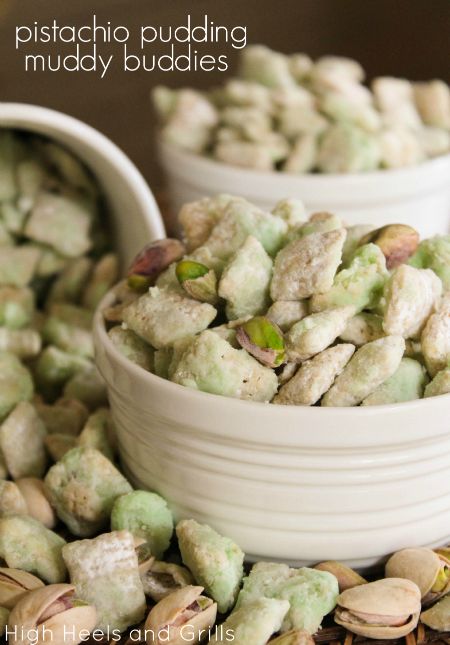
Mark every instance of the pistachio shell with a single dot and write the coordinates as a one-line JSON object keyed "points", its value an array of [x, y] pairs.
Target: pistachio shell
{"points": [[263, 339], [180, 608], [155, 257], [346, 577], [384, 602], [198, 281], [162, 578], [294, 637], [438, 616], [35, 495], [14, 584], [27, 617], [421, 565], [397, 241], [145, 558]]}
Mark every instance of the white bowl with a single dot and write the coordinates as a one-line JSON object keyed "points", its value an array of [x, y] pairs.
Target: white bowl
{"points": [[293, 483], [135, 217], [418, 196]]}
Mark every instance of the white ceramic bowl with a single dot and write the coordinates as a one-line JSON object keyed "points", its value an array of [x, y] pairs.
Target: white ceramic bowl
{"points": [[135, 217], [293, 483], [418, 196]]}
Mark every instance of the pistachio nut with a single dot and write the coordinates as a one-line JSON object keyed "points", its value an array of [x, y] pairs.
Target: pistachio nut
{"points": [[184, 614], [429, 570], [199, 281], [4, 618], [263, 339], [346, 577], [294, 637], [384, 609], [438, 616], [14, 584], [162, 578], [152, 260], [36, 497], [144, 555], [51, 611], [397, 241]]}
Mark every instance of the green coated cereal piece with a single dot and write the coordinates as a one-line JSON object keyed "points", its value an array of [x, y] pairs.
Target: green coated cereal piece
{"points": [[27, 544], [363, 328], [253, 624], [24, 343], [99, 433], [83, 487], [54, 367], [50, 262], [311, 594], [5, 238], [87, 386], [352, 241], [60, 222], [69, 285], [246, 280], [370, 366], [12, 217], [360, 285], [67, 337], [12, 501], [177, 351], [266, 67], [292, 211], [162, 317], [435, 341], [16, 307], [216, 562], [346, 148], [406, 384], [434, 253], [22, 437], [104, 275], [240, 220], [316, 332], [8, 160], [197, 219], [16, 384], [132, 347], [105, 574], [147, 516], [439, 385], [162, 361], [320, 223], [18, 265], [210, 364], [307, 266], [72, 314], [285, 313], [69, 167]]}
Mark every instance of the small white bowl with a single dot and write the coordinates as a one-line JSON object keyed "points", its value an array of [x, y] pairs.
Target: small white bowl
{"points": [[418, 196], [293, 483], [135, 217]]}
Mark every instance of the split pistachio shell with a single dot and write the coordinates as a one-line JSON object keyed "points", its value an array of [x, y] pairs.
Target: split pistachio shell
{"points": [[384, 609], [429, 570], [14, 584], [347, 578], [183, 612], [154, 258], [263, 340], [162, 578], [294, 637], [198, 281], [438, 617], [35, 495], [144, 555], [397, 241], [51, 610]]}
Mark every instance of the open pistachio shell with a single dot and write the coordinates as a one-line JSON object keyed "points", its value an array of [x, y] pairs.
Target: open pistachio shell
{"points": [[198, 281], [438, 616], [162, 578], [294, 637], [186, 608], [397, 241], [387, 608], [144, 555], [35, 495], [263, 339], [429, 570], [14, 584], [152, 260], [346, 577], [51, 610]]}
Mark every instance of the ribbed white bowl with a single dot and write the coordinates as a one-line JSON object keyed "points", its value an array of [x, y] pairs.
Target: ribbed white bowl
{"points": [[292, 483], [418, 196], [132, 208]]}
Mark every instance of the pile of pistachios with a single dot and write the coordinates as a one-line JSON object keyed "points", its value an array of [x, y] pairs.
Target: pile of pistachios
{"points": [[277, 307], [292, 114]]}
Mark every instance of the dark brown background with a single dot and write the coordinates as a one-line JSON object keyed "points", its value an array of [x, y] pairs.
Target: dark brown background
{"points": [[400, 37]]}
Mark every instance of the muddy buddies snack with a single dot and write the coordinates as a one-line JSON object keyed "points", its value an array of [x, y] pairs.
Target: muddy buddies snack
{"points": [[289, 113], [306, 311]]}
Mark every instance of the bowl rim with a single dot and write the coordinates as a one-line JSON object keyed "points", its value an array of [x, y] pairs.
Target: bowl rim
{"points": [[148, 378], [345, 179], [28, 115]]}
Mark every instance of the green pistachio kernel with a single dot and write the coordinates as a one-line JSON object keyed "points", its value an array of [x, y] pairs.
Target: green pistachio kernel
{"points": [[190, 270], [442, 580], [138, 282], [198, 281], [263, 340]]}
